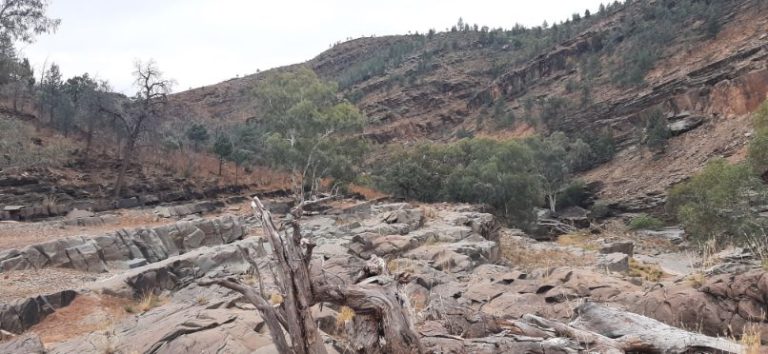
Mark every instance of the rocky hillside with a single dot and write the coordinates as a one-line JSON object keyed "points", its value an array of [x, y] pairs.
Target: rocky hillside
{"points": [[704, 65]]}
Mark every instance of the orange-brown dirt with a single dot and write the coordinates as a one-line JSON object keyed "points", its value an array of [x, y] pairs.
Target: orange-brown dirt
{"points": [[86, 314]]}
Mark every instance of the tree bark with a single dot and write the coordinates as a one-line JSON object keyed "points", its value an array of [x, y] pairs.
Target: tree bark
{"points": [[301, 291], [126, 160], [89, 137]]}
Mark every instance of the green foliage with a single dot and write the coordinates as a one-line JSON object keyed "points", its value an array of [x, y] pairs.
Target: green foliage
{"points": [[198, 135], [511, 176], [307, 130], [758, 146], [222, 147], [22, 20], [500, 174], [580, 156], [501, 116], [240, 156], [554, 108], [551, 156], [599, 210], [603, 146], [19, 150], [389, 57], [463, 133], [643, 38], [574, 194], [645, 222], [718, 202], [656, 131]]}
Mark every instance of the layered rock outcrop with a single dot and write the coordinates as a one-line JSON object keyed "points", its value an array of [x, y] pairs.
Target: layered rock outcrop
{"points": [[92, 254]]}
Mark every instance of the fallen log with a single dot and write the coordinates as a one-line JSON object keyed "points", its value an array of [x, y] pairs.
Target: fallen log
{"points": [[595, 329], [642, 334]]}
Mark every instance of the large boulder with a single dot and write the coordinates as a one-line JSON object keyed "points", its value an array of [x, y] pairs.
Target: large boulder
{"points": [[730, 304], [86, 257]]}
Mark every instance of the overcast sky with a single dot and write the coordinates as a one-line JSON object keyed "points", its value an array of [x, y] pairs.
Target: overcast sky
{"points": [[201, 42]]}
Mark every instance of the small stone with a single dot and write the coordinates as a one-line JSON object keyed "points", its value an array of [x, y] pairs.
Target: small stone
{"points": [[626, 247], [614, 262], [137, 262]]}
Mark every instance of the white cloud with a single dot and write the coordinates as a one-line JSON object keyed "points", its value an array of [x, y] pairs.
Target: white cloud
{"points": [[201, 42]]}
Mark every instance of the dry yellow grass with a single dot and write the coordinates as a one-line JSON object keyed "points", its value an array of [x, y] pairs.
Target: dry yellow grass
{"points": [[649, 272], [578, 239], [696, 280], [276, 299], [345, 315], [429, 212], [522, 256], [752, 340]]}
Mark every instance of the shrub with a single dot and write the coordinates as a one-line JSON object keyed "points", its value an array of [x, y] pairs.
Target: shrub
{"points": [[656, 131], [499, 174], [574, 194], [599, 210], [21, 148], [758, 147], [718, 202], [645, 222]]}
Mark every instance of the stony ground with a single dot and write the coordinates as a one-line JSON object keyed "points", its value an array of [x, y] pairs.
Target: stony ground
{"points": [[468, 276]]}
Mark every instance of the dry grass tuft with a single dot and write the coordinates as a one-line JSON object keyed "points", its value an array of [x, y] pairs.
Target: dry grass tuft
{"points": [[429, 212], [345, 315], [696, 280], [400, 265], [201, 300], [149, 301], [578, 239], [751, 340], [649, 272], [526, 258], [276, 299]]}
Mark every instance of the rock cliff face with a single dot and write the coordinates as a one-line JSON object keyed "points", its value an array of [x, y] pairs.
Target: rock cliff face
{"points": [[444, 86]]}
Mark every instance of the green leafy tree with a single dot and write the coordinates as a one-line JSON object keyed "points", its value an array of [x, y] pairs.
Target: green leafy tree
{"points": [[198, 135], [22, 20], [23, 83], [223, 148], [310, 132], [580, 156], [50, 91], [499, 174], [552, 165], [719, 202], [240, 157], [83, 93]]}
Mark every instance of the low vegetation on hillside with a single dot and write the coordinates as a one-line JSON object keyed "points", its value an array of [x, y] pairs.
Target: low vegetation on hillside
{"points": [[724, 200]]}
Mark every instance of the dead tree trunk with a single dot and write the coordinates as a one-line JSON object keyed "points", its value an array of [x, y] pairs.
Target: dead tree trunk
{"points": [[301, 291], [606, 330]]}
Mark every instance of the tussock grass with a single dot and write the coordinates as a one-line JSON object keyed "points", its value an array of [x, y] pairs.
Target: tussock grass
{"points": [[520, 255], [649, 272]]}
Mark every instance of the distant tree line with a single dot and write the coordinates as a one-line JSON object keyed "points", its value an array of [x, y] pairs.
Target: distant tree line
{"points": [[512, 176]]}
